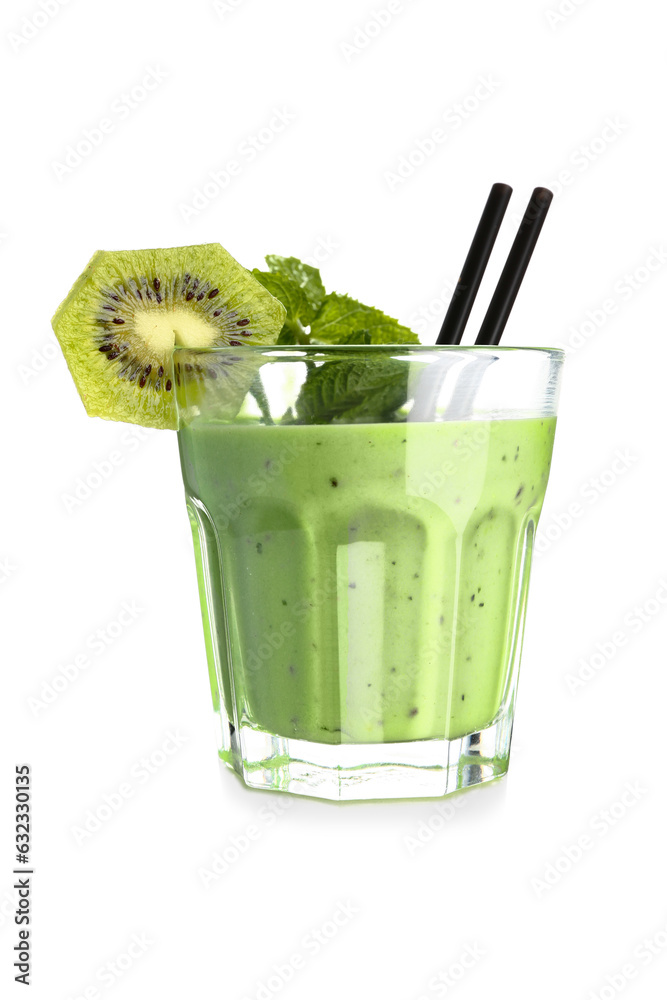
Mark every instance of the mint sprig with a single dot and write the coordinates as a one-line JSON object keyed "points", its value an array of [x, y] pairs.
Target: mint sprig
{"points": [[315, 317], [348, 390]]}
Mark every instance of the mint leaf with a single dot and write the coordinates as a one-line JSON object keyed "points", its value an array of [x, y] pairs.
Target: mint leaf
{"points": [[356, 337], [353, 391], [306, 277], [287, 290], [341, 315], [293, 297], [290, 335]]}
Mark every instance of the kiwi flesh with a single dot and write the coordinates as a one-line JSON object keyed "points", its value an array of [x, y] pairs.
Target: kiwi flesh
{"points": [[126, 313]]}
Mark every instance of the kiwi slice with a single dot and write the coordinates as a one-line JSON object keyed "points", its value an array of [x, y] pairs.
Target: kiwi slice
{"points": [[128, 310]]}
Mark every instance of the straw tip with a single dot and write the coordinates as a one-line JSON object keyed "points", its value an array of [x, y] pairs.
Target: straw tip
{"points": [[543, 195]]}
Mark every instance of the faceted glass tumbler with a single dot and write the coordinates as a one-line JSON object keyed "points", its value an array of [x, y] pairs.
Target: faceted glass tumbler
{"points": [[363, 520]]}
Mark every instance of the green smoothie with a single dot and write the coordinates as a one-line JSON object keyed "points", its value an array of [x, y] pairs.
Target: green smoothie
{"points": [[366, 581]]}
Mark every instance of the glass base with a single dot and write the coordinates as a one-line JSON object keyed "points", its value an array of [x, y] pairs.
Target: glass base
{"points": [[346, 772]]}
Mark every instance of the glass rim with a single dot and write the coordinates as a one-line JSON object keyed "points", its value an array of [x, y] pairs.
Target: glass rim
{"points": [[299, 350]]}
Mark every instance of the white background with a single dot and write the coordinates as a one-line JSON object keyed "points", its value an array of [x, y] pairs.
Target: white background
{"points": [[552, 87]]}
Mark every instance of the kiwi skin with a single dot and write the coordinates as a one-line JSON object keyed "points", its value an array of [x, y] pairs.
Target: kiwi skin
{"points": [[124, 314]]}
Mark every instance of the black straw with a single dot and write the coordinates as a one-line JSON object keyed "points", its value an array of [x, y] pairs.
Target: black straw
{"points": [[475, 264], [510, 280]]}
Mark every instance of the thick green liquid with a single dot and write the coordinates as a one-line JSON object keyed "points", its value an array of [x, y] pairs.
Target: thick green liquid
{"points": [[364, 582]]}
